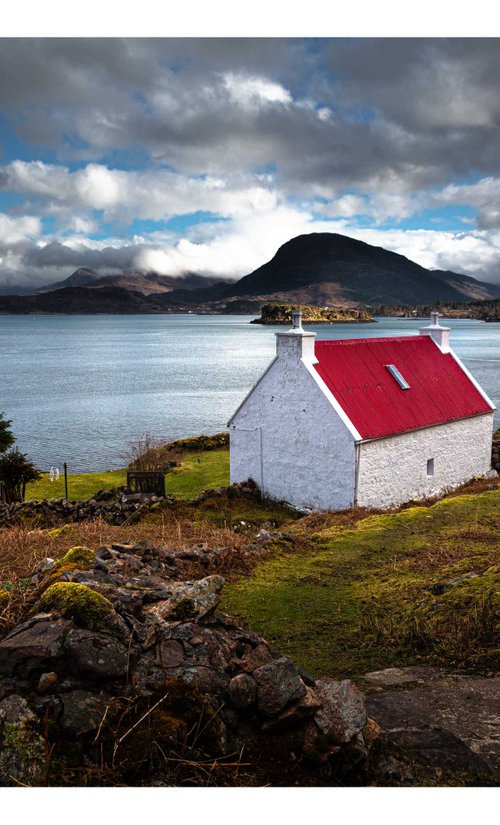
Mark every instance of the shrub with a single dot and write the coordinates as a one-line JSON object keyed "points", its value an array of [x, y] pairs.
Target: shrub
{"points": [[6, 437], [16, 470]]}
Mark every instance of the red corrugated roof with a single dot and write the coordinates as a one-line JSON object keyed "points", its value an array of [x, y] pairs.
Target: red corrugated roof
{"points": [[355, 372]]}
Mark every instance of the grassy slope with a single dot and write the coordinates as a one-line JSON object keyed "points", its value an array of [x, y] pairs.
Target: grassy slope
{"points": [[358, 598], [198, 471], [80, 485]]}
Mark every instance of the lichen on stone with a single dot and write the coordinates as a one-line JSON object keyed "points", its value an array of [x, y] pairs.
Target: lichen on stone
{"points": [[185, 609], [78, 602], [22, 751]]}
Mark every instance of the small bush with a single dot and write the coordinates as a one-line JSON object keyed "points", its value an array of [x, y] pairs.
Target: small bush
{"points": [[16, 471]]}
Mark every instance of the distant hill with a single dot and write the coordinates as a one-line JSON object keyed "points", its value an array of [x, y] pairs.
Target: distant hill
{"points": [[141, 281], [327, 268], [82, 300]]}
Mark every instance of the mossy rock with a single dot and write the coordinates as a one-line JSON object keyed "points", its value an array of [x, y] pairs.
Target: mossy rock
{"points": [[57, 532], [78, 558], [76, 601]]}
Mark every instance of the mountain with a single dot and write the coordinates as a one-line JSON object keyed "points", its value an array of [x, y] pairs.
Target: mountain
{"points": [[327, 268], [323, 269], [147, 283]]}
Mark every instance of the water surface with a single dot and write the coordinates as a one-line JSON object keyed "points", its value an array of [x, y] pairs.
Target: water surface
{"points": [[80, 388]]}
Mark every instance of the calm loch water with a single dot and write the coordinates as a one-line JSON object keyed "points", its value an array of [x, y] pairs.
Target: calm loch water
{"points": [[80, 388]]}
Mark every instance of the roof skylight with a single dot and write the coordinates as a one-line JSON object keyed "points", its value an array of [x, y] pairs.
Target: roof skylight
{"points": [[397, 375]]}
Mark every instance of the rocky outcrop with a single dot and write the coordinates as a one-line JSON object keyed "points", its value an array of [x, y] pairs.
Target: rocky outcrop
{"points": [[447, 722], [126, 673]]}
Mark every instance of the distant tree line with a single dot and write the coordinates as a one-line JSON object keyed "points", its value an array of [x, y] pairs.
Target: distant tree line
{"points": [[487, 310]]}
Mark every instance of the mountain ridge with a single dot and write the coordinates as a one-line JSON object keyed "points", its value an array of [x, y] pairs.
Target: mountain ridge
{"points": [[140, 280], [323, 269]]}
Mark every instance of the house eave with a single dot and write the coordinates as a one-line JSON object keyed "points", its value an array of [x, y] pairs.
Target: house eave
{"points": [[425, 427]]}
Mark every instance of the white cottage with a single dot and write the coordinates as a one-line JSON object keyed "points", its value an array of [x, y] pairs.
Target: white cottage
{"points": [[369, 421]]}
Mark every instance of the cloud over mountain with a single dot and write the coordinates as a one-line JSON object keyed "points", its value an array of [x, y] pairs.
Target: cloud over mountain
{"points": [[205, 155]]}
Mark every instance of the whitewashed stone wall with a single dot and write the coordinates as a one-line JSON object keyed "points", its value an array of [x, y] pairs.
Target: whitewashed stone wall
{"points": [[287, 437], [394, 470]]}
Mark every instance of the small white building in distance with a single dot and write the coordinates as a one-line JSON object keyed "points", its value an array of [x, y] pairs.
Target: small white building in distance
{"points": [[369, 421]]}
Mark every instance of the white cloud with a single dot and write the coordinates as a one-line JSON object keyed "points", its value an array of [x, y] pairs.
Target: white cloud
{"points": [[254, 92], [98, 187], [149, 195], [475, 253], [483, 195], [16, 229]]}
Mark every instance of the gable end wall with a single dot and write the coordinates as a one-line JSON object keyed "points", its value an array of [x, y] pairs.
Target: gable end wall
{"points": [[289, 439]]}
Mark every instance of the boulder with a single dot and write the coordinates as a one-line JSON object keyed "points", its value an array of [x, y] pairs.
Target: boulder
{"points": [[190, 600], [305, 708], [242, 691], [342, 715], [82, 711], [47, 682], [96, 655], [33, 645], [170, 653], [254, 658], [205, 679], [278, 683]]}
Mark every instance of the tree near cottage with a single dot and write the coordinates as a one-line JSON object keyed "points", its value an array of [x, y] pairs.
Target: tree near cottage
{"points": [[6, 437], [16, 470]]}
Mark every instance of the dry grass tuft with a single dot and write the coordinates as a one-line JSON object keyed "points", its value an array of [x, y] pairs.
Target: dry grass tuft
{"points": [[22, 549]]}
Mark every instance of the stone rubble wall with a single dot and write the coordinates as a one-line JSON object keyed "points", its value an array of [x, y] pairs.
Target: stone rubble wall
{"points": [[115, 507], [117, 631]]}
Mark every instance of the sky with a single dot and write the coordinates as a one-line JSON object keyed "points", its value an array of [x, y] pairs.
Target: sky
{"points": [[205, 155]]}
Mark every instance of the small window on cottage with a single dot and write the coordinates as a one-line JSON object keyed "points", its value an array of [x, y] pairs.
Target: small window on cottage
{"points": [[430, 466]]}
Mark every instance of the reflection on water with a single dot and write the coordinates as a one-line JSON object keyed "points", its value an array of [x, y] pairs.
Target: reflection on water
{"points": [[81, 388]]}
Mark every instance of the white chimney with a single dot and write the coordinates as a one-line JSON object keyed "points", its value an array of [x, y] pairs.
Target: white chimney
{"points": [[296, 343], [439, 334]]}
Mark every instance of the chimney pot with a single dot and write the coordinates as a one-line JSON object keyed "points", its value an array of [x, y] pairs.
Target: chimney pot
{"points": [[439, 334], [296, 343]]}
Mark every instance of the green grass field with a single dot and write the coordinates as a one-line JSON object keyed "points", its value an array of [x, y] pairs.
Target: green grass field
{"points": [[198, 471], [359, 598], [80, 485]]}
